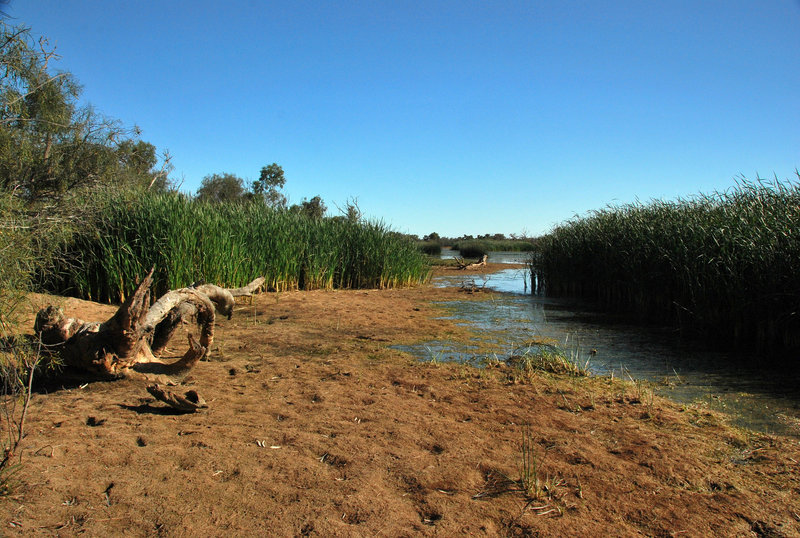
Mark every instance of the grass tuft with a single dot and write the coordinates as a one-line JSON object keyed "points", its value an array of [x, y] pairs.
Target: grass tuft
{"points": [[546, 356], [530, 465]]}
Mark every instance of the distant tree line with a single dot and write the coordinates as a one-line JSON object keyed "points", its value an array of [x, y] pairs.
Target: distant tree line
{"points": [[475, 247], [450, 241]]}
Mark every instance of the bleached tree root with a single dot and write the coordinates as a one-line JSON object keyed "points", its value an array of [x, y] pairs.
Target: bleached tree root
{"points": [[250, 289], [171, 373], [130, 341], [461, 264], [191, 401]]}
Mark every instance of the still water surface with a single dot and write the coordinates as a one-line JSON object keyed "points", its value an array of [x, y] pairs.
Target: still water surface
{"points": [[756, 398]]}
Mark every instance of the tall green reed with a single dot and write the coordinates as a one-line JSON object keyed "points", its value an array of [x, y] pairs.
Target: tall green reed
{"points": [[187, 240], [724, 264]]}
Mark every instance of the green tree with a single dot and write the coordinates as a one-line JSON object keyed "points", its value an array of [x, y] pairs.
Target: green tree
{"points": [[137, 164], [268, 185], [48, 144], [314, 208], [222, 188]]}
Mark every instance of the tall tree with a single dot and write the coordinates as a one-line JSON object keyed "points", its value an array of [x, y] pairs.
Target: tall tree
{"points": [[137, 164], [48, 144], [268, 185]]}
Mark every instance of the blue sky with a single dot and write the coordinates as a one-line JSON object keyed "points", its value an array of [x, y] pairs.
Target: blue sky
{"points": [[459, 117]]}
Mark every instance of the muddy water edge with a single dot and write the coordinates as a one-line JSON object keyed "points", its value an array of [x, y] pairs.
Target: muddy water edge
{"points": [[507, 315]]}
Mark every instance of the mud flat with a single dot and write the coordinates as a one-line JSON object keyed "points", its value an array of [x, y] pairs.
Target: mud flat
{"points": [[316, 427]]}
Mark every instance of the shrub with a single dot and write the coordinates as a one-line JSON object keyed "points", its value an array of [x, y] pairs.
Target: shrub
{"points": [[473, 249], [431, 248]]}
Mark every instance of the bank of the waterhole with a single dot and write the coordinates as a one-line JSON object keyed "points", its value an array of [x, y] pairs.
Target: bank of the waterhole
{"points": [[317, 427], [753, 393]]}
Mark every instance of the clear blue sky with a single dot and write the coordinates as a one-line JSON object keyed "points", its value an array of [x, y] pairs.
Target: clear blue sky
{"points": [[459, 117]]}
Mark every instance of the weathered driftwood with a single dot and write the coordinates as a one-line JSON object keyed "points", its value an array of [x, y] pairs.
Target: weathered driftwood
{"points": [[470, 286], [129, 342], [189, 402], [461, 264], [250, 289], [222, 298]]}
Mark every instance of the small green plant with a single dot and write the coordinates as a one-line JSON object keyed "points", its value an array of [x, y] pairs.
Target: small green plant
{"points": [[253, 312], [531, 482], [639, 387], [530, 465], [623, 385], [19, 361], [24, 235], [434, 357], [648, 400]]}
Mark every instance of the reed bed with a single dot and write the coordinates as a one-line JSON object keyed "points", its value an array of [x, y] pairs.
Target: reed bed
{"points": [[187, 240], [476, 248], [431, 248], [724, 264]]}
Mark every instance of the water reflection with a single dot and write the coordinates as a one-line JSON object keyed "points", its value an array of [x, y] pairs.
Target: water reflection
{"points": [[763, 400]]}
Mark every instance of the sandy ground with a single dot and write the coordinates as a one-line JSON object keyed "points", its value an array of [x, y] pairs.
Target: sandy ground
{"points": [[316, 428]]}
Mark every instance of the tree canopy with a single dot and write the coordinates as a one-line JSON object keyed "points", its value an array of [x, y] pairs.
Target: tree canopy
{"points": [[49, 143], [314, 208], [221, 188], [268, 185]]}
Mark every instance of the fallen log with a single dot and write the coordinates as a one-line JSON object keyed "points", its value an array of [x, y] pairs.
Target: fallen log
{"points": [[189, 402], [250, 289], [469, 286], [461, 264], [131, 340]]}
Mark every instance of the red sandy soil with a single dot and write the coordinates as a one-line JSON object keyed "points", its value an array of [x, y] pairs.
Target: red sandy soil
{"points": [[316, 428]]}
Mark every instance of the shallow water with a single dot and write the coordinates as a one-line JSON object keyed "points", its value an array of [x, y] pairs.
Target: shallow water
{"points": [[759, 399]]}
